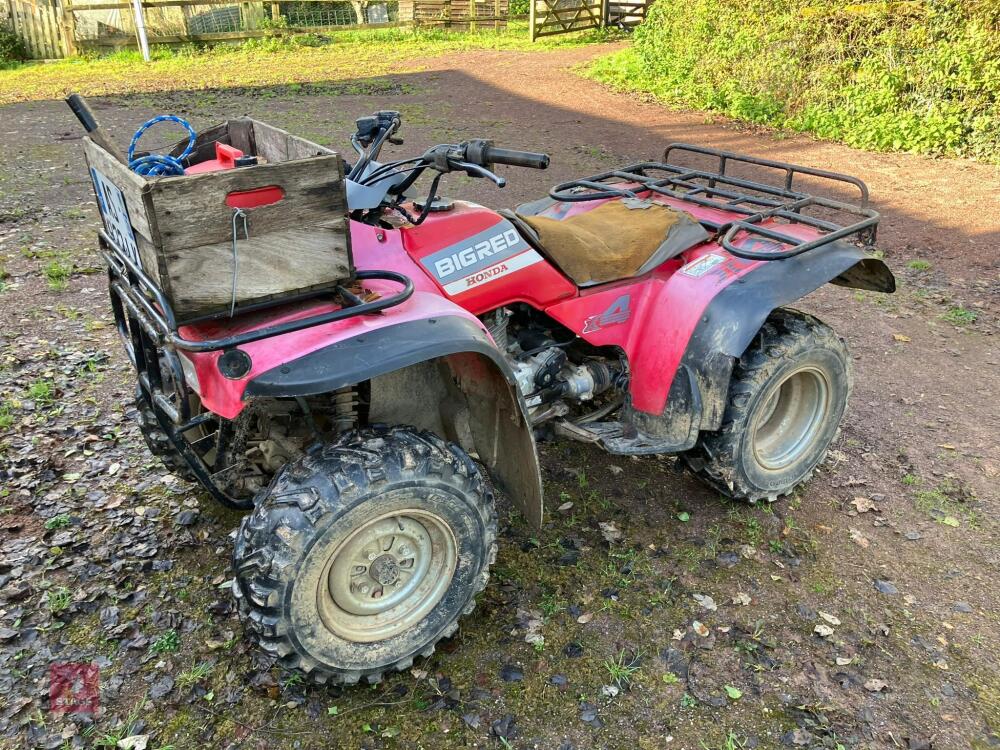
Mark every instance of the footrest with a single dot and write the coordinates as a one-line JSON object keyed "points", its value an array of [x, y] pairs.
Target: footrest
{"points": [[615, 437]]}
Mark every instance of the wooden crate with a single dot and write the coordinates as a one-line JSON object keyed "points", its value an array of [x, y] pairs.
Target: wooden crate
{"points": [[183, 227]]}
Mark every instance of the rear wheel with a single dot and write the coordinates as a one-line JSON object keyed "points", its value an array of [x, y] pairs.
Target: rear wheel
{"points": [[364, 553], [158, 442], [786, 399]]}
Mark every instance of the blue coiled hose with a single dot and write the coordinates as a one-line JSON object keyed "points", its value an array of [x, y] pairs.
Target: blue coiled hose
{"points": [[160, 165]]}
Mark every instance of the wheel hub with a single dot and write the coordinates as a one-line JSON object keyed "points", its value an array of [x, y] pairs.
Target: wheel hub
{"points": [[387, 575], [385, 570], [791, 418]]}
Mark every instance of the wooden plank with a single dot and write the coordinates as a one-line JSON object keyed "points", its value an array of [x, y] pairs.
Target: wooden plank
{"points": [[268, 265], [52, 26], [191, 210], [69, 30], [241, 135], [133, 186]]}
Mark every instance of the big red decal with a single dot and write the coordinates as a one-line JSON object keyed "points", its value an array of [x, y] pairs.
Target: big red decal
{"points": [[481, 258]]}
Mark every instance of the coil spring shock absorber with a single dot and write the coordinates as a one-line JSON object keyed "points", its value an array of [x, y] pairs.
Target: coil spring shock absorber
{"points": [[345, 408]]}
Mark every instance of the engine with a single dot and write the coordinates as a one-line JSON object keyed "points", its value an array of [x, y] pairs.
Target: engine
{"points": [[554, 369]]}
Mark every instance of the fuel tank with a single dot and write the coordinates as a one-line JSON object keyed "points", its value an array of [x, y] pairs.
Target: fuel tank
{"points": [[479, 260]]}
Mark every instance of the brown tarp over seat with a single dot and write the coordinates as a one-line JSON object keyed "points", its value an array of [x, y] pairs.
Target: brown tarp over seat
{"points": [[615, 240]]}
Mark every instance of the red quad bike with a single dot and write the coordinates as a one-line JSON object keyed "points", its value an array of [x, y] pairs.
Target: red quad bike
{"points": [[641, 310]]}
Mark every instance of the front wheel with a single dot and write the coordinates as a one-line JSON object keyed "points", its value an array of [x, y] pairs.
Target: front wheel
{"points": [[364, 553], [786, 398]]}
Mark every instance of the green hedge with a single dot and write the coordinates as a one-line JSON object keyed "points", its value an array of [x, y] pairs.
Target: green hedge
{"points": [[915, 76], [11, 47]]}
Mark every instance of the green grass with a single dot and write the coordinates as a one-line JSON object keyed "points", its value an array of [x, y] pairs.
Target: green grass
{"points": [[269, 61], [42, 392], [960, 316], [622, 668], [57, 274], [58, 599], [58, 522], [871, 75], [6, 416], [191, 677], [167, 643], [919, 265]]}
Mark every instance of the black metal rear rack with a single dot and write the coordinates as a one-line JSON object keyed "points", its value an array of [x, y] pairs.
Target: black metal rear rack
{"points": [[757, 201]]}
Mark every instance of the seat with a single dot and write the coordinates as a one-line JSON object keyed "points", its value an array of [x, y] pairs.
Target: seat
{"points": [[613, 240]]}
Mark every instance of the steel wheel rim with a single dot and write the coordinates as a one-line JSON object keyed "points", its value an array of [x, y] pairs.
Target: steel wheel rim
{"points": [[387, 575], [792, 418]]}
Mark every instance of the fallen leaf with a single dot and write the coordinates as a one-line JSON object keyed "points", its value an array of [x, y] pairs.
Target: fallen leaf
{"points": [[741, 598], [734, 693], [564, 507], [946, 446], [876, 686], [684, 516], [863, 504], [858, 538], [823, 631], [832, 619], [706, 601], [843, 661], [700, 629], [616, 470], [610, 532], [951, 521], [585, 618], [135, 742], [901, 337]]}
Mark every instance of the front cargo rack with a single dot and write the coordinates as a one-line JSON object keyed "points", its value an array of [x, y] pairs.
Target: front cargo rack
{"points": [[757, 201]]}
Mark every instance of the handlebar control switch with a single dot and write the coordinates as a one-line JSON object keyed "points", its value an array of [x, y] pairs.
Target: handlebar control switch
{"points": [[478, 152]]}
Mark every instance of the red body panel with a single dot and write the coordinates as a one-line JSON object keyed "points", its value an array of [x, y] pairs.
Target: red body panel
{"points": [[651, 318], [537, 283]]}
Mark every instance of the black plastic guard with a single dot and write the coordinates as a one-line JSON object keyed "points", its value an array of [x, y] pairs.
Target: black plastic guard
{"points": [[375, 353]]}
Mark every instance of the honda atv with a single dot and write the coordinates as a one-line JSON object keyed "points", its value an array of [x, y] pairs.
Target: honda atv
{"points": [[366, 427]]}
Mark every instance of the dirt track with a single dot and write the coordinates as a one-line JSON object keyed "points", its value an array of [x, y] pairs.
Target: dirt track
{"points": [[919, 442]]}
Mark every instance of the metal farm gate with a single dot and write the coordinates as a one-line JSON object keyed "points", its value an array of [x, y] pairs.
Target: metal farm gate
{"points": [[551, 17]]}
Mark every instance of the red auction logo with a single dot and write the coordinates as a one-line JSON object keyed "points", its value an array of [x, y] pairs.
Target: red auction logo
{"points": [[74, 688]]}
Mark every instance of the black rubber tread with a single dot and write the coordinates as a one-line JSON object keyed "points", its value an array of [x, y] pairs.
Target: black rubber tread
{"points": [[158, 442], [786, 334], [308, 495]]}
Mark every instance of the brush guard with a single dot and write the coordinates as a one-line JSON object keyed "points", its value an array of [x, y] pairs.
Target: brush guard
{"points": [[774, 202], [150, 334]]}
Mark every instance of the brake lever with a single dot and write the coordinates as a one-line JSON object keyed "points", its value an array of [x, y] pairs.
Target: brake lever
{"points": [[481, 171]]}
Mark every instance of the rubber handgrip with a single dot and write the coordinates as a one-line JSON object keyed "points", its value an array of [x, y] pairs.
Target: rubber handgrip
{"points": [[516, 158], [83, 112]]}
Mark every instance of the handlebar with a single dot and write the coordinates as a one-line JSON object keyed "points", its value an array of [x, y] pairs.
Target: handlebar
{"points": [[484, 153], [516, 158]]}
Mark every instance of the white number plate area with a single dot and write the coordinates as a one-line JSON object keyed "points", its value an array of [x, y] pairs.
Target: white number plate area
{"points": [[115, 215]]}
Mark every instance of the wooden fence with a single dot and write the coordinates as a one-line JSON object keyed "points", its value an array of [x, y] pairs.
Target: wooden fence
{"points": [[44, 26], [59, 28]]}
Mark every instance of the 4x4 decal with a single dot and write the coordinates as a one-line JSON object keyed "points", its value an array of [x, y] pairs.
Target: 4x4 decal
{"points": [[617, 314]]}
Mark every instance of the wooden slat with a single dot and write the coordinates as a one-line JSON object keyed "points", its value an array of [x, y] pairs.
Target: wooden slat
{"points": [[133, 186]]}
